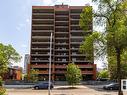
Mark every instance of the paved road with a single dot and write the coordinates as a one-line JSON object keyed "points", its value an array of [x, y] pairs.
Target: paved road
{"points": [[64, 90]]}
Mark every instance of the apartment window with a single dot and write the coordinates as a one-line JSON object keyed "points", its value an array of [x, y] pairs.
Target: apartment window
{"points": [[63, 60], [73, 59]]}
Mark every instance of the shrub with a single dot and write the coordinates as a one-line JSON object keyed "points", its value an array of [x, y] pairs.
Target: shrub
{"points": [[1, 82], [2, 91]]}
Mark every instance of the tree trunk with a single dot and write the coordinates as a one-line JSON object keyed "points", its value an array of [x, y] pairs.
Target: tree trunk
{"points": [[119, 70]]}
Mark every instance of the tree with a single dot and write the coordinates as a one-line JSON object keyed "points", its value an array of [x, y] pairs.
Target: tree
{"points": [[7, 55], [112, 42], [103, 74], [33, 75], [112, 67], [73, 75]]}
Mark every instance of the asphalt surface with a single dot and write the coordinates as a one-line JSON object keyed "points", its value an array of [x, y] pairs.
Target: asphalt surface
{"points": [[65, 90]]}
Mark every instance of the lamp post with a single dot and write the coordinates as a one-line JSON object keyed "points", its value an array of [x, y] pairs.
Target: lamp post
{"points": [[50, 60]]}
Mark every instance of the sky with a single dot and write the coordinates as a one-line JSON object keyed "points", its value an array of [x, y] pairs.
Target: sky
{"points": [[15, 21]]}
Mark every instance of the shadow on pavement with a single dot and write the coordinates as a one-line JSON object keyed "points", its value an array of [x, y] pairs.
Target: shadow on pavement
{"points": [[65, 88]]}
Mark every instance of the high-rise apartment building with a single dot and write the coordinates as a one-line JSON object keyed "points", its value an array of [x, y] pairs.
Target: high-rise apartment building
{"points": [[63, 22]]}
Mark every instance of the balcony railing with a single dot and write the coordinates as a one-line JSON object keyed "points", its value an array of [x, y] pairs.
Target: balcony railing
{"points": [[43, 72], [61, 38], [87, 72], [60, 72], [60, 66], [76, 37], [61, 33], [61, 49], [41, 31], [40, 55], [85, 65], [44, 49], [65, 44], [62, 16], [42, 25], [62, 55], [61, 61], [77, 31], [76, 43], [78, 55], [62, 27], [40, 43], [39, 66], [39, 60], [43, 13], [41, 37]]}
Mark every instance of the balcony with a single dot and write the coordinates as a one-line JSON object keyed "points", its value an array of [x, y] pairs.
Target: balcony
{"points": [[42, 25], [43, 14], [87, 72], [61, 38], [61, 61], [75, 14], [42, 31], [61, 27], [43, 21], [61, 55], [44, 49], [62, 16], [40, 61], [85, 65], [46, 55], [76, 43], [74, 19], [39, 66], [40, 37], [78, 55], [77, 37], [62, 44], [43, 72], [60, 72], [61, 66], [75, 49], [61, 33], [79, 31], [45, 43], [61, 50]]}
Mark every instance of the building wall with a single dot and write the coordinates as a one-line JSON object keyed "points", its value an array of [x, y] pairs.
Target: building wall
{"points": [[26, 62], [63, 22], [13, 74]]}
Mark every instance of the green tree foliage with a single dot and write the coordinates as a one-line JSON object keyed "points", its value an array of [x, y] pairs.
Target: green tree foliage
{"points": [[2, 91], [33, 75], [7, 55], [113, 41], [103, 74], [73, 75], [112, 67]]}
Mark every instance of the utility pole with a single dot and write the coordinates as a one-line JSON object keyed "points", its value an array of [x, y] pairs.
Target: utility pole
{"points": [[50, 60]]}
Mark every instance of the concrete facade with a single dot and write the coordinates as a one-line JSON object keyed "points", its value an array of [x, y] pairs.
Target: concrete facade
{"points": [[63, 22]]}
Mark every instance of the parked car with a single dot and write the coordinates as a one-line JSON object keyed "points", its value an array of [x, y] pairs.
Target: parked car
{"points": [[43, 85], [102, 79], [111, 86]]}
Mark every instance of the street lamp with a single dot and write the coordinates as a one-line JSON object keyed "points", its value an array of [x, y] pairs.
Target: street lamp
{"points": [[50, 60]]}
